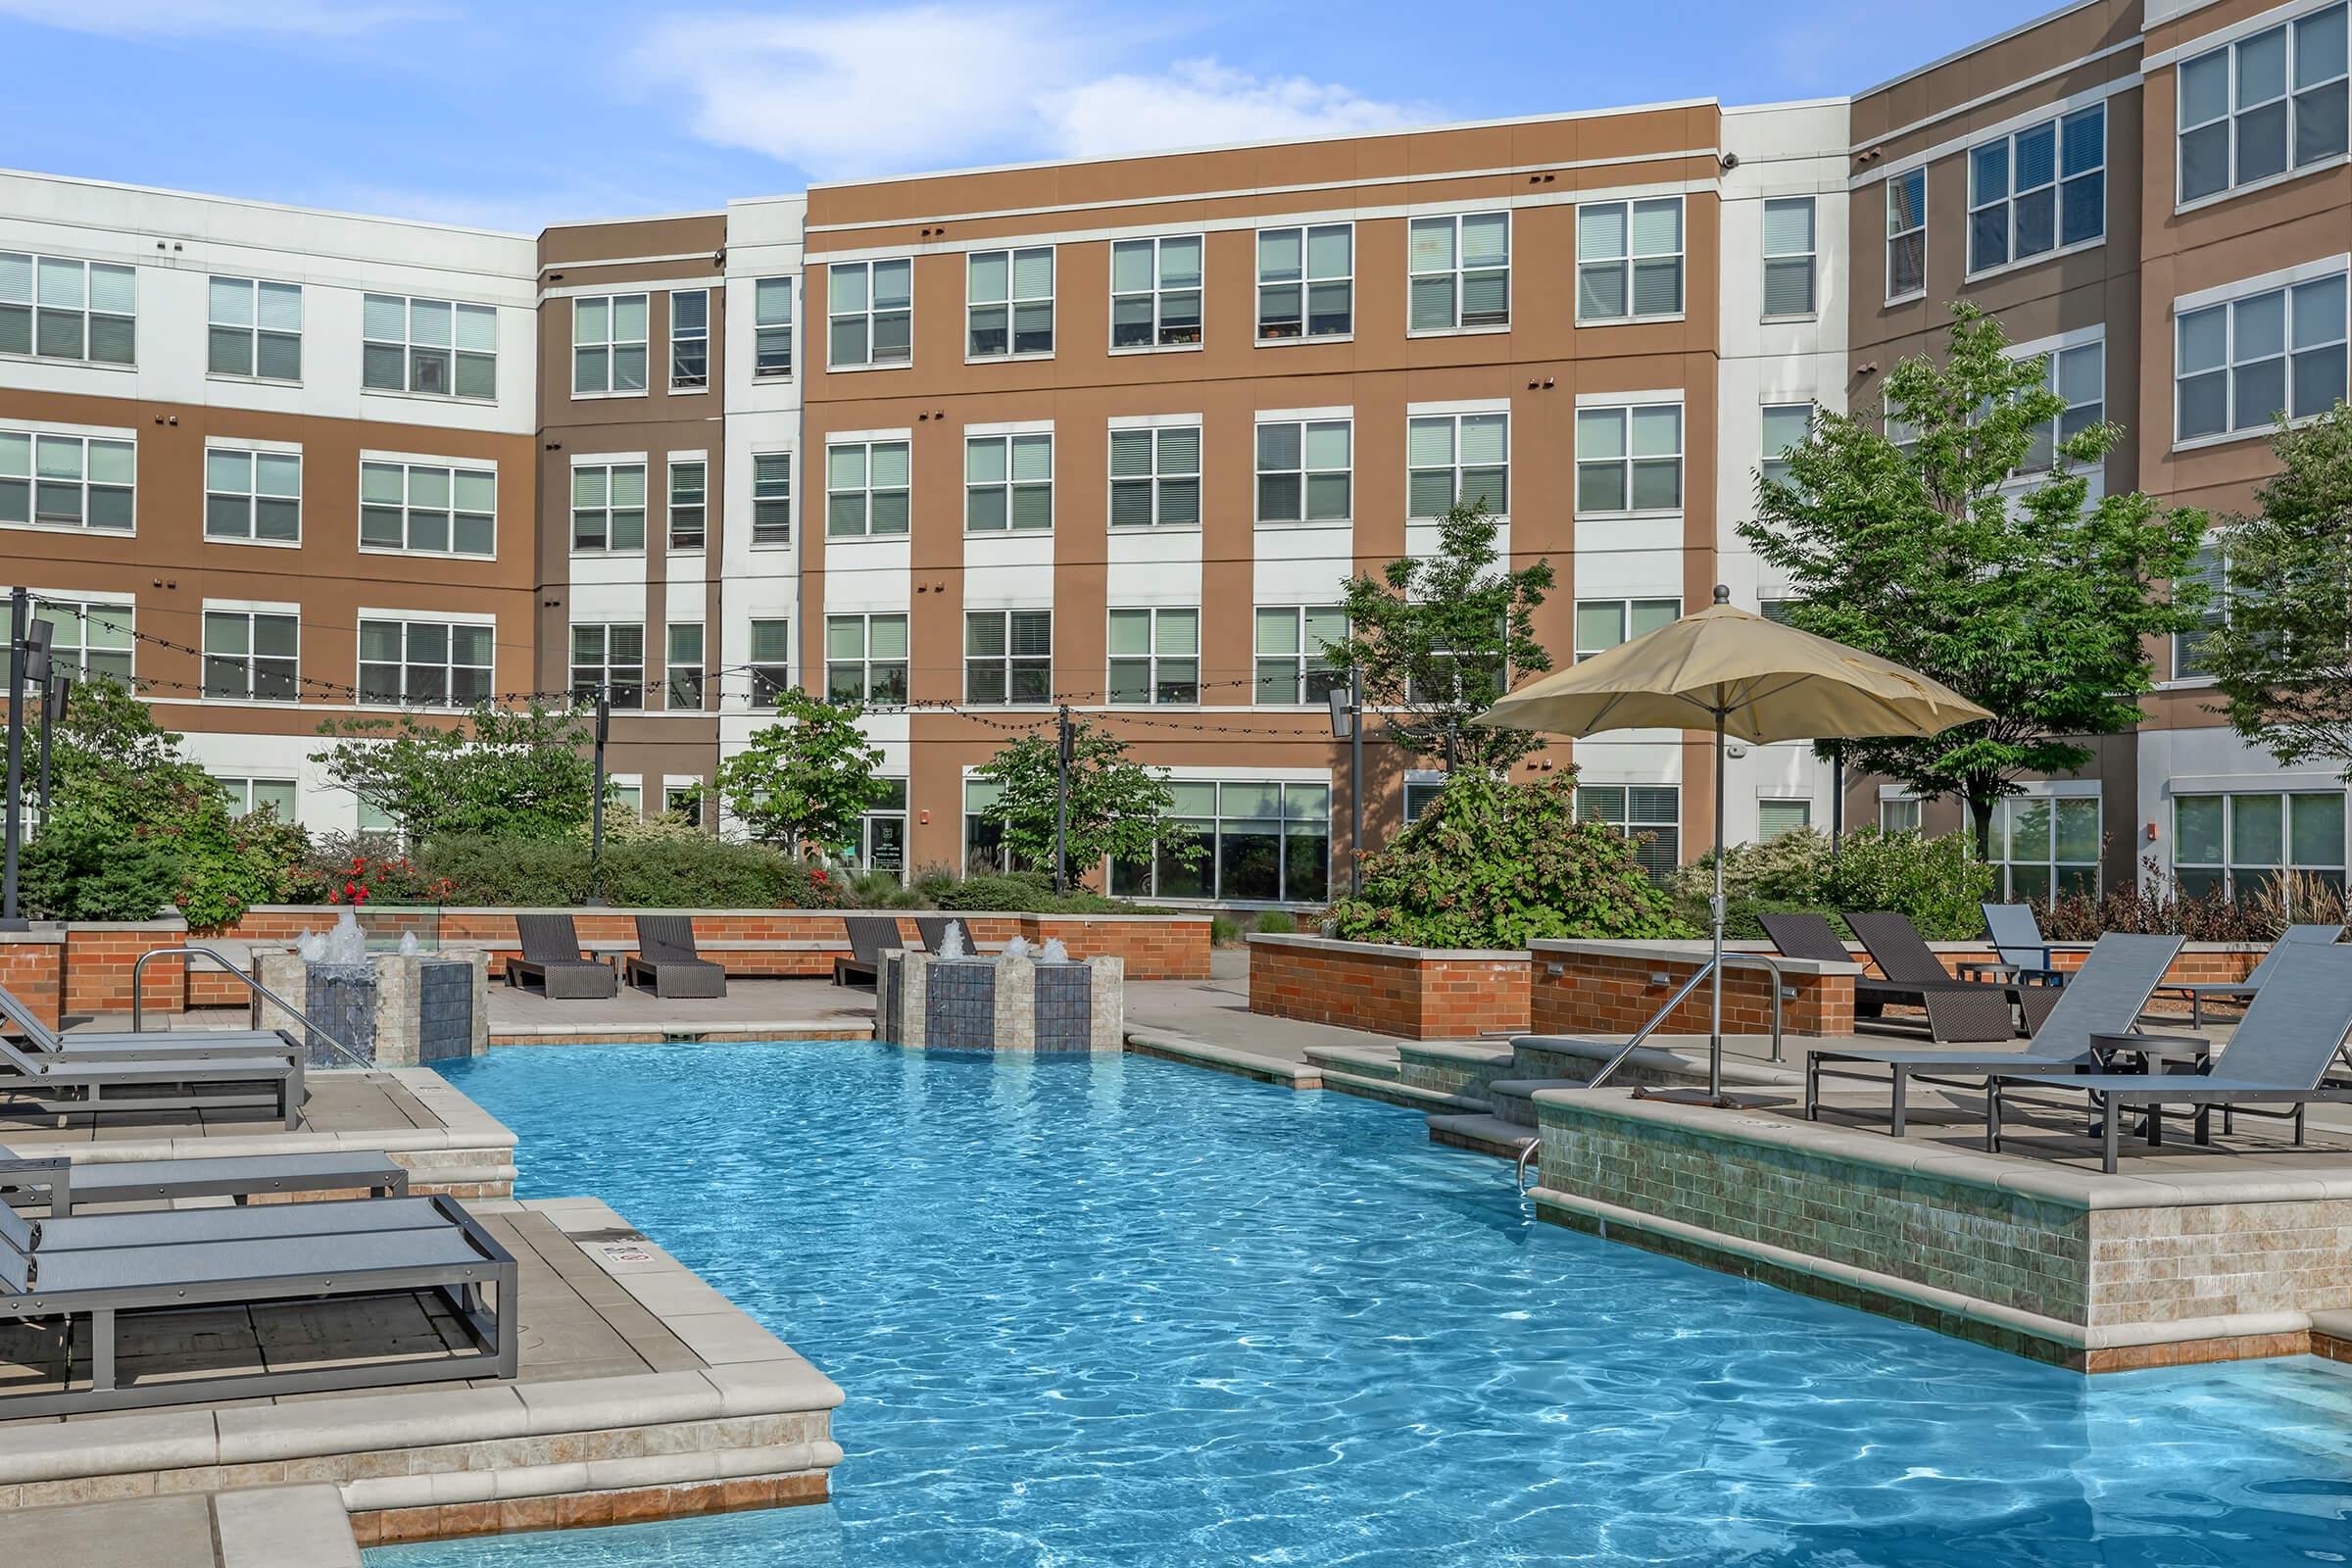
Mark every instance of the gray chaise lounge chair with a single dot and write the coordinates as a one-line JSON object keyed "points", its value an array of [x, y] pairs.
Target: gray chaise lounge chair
{"points": [[2021, 952], [2105, 997], [1895, 945], [110, 1269], [870, 935], [68, 1085], [2293, 1032], [551, 955], [1970, 1013], [666, 958], [60, 1184], [143, 1045], [2244, 989]]}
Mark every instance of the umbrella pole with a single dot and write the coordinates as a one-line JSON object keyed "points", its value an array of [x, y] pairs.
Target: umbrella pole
{"points": [[1715, 1037]]}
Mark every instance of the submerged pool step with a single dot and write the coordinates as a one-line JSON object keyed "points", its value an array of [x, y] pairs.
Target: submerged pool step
{"points": [[1358, 1061], [1480, 1134], [1513, 1100], [1453, 1066], [1391, 1092]]}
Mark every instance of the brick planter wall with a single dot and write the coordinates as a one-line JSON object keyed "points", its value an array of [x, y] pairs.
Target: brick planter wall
{"points": [[1410, 992], [1614, 988], [32, 967]]}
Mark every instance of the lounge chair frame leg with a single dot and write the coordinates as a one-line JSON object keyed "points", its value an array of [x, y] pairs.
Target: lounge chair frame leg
{"points": [[2107, 1133], [1902, 1082], [102, 1351], [1992, 1117]]}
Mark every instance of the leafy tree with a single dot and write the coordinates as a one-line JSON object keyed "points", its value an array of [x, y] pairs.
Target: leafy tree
{"points": [[1438, 639], [2282, 657], [1117, 807], [2023, 594], [1493, 863], [804, 781], [110, 759], [500, 773]]}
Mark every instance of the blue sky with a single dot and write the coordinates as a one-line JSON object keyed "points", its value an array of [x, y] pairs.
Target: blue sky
{"points": [[513, 114]]}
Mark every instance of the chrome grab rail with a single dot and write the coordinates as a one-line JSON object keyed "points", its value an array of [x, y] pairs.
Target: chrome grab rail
{"points": [[225, 962], [1527, 1152], [1706, 967]]}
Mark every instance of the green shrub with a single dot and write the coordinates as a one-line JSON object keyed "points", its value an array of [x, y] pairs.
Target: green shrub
{"points": [[1276, 923], [1495, 864], [83, 869], [876, 890], [190, 858], [1939, 883], [1223, 931], [695, 871], [1787, 869], [1028, 891]]}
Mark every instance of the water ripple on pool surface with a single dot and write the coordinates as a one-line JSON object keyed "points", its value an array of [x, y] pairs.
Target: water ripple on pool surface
{"points": [[1122, 1311]]}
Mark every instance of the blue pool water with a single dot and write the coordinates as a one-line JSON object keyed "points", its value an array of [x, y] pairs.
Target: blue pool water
{"points": [[1126, 1312]]}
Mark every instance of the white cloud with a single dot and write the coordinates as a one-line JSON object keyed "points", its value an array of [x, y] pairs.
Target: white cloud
{"points": [[929, 86], [130, 18]]}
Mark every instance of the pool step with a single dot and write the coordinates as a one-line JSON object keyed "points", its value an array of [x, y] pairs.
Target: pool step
{"points": [[1453, 1066], [1391, 1092], [1513, 1100], [1480, 1135], [2305, 1403], [1357, 1061]]}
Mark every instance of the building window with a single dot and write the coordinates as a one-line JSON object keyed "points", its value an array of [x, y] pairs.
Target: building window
{"points": [[871, 311], [1787, 426], [1009, 655], [1629, 459], [61, 309], [422, 506], [771, 498], [1653, 811], [1008, 305], [1779, 818], [1906, 234], [772, 661], [2078, 374], [1629, 260], [253, 495], [1264, 843], [247, 796], [682, 798], [2263, 105], [1457, 459], [984, 850], [1789, 258], [772, 329], [1305, 471], [625, 796], [1898, 817], [1294, 666], [682, 668], [1460, 271], [689, 339], [1155, 656], [2212, 568], [255, 329], [1306, 282], [1603, 623], [1156, 292], [2042, 189], [89, 639], [434, 347], [607, 507], [689, 504], [1007, 483], [250, 656], [865, 658], [608, 344], [2238, 845], [434, 663], [608, 656], [2044, 846], [67, 481], [882, 832], [2241, 364], [865, 489], [1420, 794], [1156, 478]]}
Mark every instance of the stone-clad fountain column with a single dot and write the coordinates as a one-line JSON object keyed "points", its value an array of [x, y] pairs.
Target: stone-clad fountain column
{"points": [[394, 1010], [1018, 999]]}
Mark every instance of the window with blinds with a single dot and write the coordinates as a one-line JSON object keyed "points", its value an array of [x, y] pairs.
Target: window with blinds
{"points": [[2039, 190], [1906, 234], [1460, 271], [607, 507], [68, 481], [1008, 483], [1629, 260], [771, 499], [1786, 426], [1306, 282], [865, 489], [1779, 818], [1156, 478], [1650, 813], [1304, 470], [689, 339], [1457, 459], [253, 496], [57, 308], [433, 348], [1009, 310], [434, 664], [1789, 258], [2264, 105], [1155, 293], [2240, 365], [1629, 459], [1293, 665], [1155, 656], [871, 313], [608, 656], [772, 329], [608, 344], [433, 509], [253, 329], [689, 504], [1009, 657], [770, 662]]}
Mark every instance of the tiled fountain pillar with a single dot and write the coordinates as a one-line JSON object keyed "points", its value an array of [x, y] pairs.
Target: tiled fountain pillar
{"points": [[1005, 1003], [421, 1013]]}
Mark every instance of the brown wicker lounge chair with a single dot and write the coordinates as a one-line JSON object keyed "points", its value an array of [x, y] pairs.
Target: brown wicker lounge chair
{"points": [[552, 957], [869, 936], [666, 958]]}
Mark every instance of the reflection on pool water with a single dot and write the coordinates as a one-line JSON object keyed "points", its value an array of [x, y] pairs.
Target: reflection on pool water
{"points": [[1120, 1312]]}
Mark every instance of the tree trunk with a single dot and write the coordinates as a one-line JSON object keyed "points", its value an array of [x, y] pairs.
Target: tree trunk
{"points": [[1980, 810]]}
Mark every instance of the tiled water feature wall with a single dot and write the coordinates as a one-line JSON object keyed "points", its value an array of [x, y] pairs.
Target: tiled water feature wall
{"points": [[394, 1010], [1013, 1002]]}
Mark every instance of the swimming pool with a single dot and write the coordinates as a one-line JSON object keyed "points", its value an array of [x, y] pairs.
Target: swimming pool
{"points": [[1120, 1312]]}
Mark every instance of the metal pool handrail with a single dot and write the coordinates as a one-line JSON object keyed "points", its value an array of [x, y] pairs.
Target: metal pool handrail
{"points": [[1527, 1152], [225, 962], [1706, 967]]}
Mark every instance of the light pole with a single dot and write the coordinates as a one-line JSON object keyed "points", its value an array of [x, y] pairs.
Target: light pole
{"points": [[1347, 724], [53, 713], [27, 661], [596, 803]]}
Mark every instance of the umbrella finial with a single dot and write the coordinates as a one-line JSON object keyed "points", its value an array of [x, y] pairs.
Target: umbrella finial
{"points": [[1723, 595]]}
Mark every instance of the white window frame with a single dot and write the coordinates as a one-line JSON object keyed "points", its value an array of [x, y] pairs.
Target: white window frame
{"points": [[1300, 804], [410, 348], [253, 613], [1012, 304], [1308, 471], [1628, 261], [2063, 356], [871, 315], [1888, 821], [21, 476], [2059, 183], [1768, 460], [1159, 480], [1627, 462], [1153, 659], [2004, 866], [611, 347], [689, 384], [603, 664], [1458, 271], [452, 468], [1007, 665], [1306, 664], [1012, 486], [1159, 293], [770, 678], [1803, 802], [239, 788], [1627, 821], [2290, 289], [250, 328], [1454, 419], [24, 297], [1305, 284], [1810, 256], [865, 664], [2228, 866], [672, 664], [251, 493], [769, 472], [447, 665], [610, 510], [2211, 565], [772, 333], [1906, 180], [2292, 30], [1624, 605], [76, 611], [696, 499], [866, 490]]}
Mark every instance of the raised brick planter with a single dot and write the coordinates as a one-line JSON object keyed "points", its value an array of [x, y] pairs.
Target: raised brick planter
{"points": [[1408, 993], [32, 967], [1614, 988]]}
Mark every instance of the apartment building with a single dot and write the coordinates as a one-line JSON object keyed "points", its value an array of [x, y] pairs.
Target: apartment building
{"points": [[1112, 433]]}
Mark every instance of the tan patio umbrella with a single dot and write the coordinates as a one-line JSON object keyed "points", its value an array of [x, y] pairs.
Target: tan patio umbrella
{"points": [[1745, 676]]}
